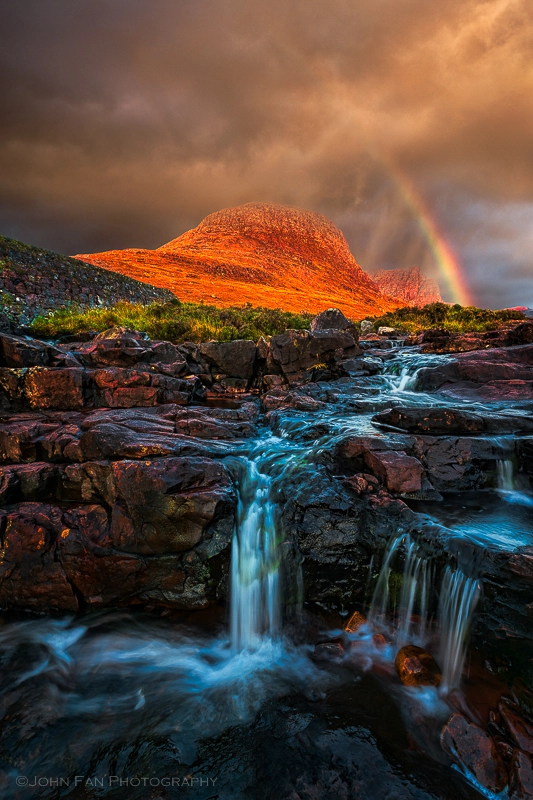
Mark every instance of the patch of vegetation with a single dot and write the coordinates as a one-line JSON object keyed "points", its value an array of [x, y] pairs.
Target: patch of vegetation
{"points": [[174, 322], [456, 318]]}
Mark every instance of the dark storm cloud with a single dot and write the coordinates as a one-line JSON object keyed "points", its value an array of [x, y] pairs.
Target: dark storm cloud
{"points": [[127, 121]]}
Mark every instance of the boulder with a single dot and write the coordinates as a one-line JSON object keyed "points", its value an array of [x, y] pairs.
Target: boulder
{"points": [[491, 374], [333, 320], [401, 474], [474, 749], [356, 621], [235, 359], [295, 353], [522, 334], [416, 667]]}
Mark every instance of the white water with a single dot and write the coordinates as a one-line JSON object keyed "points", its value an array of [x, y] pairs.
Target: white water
{"points": [[459, 596], [507, 485], [505, 475], [255, 602], [458, 600], [414, 597]]}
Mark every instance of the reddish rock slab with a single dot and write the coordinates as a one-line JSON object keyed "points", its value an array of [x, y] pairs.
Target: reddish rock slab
{"points": [[164, 506], [474, 749], [54, 388], [30, 575], [401, 474]]}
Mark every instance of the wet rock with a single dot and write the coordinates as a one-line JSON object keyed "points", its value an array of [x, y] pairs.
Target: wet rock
{"points": [[416, 667], [400, 473], [235, 359], [459, 463], [298, 400], [520, 777], [294, 353], [517, 727], [496, 373], [522, 334], [361, 483], [365, 365], [152, 531], [471, 747], [450, 421], [332, 649], [164, 506], [117, 347]]}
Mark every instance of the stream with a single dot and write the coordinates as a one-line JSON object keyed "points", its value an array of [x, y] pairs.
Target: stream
{"points": [[233, 702]]}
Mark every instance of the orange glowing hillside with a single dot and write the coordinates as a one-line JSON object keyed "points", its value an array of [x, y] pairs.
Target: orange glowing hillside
{"points": [[260, 253]]}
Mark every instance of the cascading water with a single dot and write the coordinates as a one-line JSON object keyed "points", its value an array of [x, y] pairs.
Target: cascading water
{"points": [[415, 591], [411, 617], [458, 599], [505, 472], [255, 604], [416, 586]]}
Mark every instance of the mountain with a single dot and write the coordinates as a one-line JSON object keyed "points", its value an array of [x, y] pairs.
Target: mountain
{"points": [[261, 253], [409, 286]]}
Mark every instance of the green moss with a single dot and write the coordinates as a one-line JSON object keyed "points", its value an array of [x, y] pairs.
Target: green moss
{"points": [[174, 321], [456, 318]]}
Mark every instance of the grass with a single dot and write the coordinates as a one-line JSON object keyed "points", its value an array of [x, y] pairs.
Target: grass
{"points": [[456, 319], [174, 322]]}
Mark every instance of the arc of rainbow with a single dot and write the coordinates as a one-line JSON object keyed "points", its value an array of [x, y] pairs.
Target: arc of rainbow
{"points": [[445, 258]]}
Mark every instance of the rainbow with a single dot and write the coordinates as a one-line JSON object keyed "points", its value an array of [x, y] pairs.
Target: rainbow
{"points": [[445, 258]]}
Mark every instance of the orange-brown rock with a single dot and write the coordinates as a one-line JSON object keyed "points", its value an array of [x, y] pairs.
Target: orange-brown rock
{"points": [[355, 622], [416, 667], [409, 286], [266, 254]]}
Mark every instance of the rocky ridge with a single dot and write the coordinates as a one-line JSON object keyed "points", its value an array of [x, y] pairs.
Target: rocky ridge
{"points": [[409, 286], [34, 281]]}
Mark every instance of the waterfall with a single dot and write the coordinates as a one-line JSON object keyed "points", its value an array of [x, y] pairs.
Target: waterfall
{"points": [[459, 596], [415, 587], [505, 473], [255, 604], [415, 590], [458, 599]]}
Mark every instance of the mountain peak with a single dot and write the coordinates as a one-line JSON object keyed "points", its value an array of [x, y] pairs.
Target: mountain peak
{"points": [[264, 253]]}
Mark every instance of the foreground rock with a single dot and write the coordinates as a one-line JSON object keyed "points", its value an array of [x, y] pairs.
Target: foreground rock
{"points": [[472, 748], [416, 667], [115, 533]]}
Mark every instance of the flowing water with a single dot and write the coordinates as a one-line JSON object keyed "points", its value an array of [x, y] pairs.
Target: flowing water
{"points": [[205, 694]]}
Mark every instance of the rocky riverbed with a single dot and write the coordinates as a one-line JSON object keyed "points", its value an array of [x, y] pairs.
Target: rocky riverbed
{"points": [[188, 530]]}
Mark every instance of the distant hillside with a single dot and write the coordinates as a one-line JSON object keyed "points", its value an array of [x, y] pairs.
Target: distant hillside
{"points": [[34, 281], [409, 286], [268, 255]]}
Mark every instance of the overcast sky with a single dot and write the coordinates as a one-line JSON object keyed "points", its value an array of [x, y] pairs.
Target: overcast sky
{"points": [[125, 122]]}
